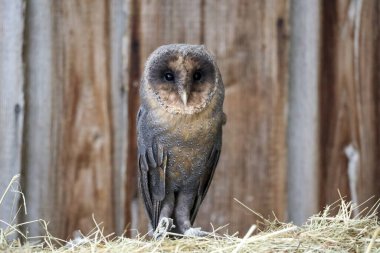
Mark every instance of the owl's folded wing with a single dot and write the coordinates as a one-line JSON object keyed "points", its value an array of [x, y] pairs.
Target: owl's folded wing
{"points": [[152, 168], [207, 178]]}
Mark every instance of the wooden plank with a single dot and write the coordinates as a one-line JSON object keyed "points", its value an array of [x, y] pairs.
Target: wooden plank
{"points": [[376, 93], [251, 41], [11, 103], [337, 130], [303, 176], [132, 208], [44, 57], [40, 123], [367, 88], [69, 63], [349, 101], [84, 162], [120, 41]]}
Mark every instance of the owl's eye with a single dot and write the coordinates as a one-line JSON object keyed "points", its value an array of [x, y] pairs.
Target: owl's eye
{"points": [[197, 76], [169, 76]]}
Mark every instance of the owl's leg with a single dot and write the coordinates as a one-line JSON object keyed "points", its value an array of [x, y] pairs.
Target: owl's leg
{"points": [[167, 206], [165, 223], [184, 203]]}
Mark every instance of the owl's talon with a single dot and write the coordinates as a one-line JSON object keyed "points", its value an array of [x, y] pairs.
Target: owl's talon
{"points": [[164, 226], [195, 232]]}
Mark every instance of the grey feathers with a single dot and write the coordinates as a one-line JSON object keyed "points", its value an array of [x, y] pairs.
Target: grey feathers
{"points": [[179, 132]]}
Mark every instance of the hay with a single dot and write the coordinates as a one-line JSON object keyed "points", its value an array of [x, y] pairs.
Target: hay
{"points": [[343, 232]]}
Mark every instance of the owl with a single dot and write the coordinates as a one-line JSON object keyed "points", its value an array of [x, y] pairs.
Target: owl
{"points": [[179, 133]]}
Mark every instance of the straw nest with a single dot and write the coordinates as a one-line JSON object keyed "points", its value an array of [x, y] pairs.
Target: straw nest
{"points": [[343, 232]]}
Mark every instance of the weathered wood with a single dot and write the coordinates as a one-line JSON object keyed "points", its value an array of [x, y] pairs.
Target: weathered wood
{"points": [[349, 124], [251, 41], [41, 128], [132, 212], [84, 162], [119, 46], [376, 94], [367, 89], [45, 59], [69, 72], [11, 103], [302, 144]]}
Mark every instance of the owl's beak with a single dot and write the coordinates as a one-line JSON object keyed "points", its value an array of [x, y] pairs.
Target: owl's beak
{"points": [[184, 97]]}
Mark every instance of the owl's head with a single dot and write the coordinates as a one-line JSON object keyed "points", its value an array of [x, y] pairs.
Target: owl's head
{"points": [[182, 78]]}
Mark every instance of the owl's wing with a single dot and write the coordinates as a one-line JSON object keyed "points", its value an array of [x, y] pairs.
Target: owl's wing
{"points": [[207, 178], [152, 170]]}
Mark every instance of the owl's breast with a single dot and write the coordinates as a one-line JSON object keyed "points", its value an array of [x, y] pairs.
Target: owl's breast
{"points": [[188, 141]]}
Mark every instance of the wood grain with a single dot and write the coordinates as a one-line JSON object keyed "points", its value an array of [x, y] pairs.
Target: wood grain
{"points": [[367, 89], [302, 143], [120, 37], [250, 40], [11, 103], [84, 163], [68, 158], [77, 115], [349, 101], [131, 201], [40, 126]]}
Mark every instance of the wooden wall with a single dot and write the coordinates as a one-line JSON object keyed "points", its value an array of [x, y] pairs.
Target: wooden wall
{"points": [[302, 99], [349, 101], [11, 102]]}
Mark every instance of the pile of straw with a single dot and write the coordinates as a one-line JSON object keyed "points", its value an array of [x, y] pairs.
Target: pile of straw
{"points": [[343, 232]]}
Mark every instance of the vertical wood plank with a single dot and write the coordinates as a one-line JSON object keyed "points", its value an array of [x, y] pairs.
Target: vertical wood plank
{"points": [[11, 102], [119, 46], [84, 163], [251, 41], [349, 101], [376, 91], [303, 176], [69, 154], [38, 178], [367, 88], [132, 212], [99, 149], [337, 129]]}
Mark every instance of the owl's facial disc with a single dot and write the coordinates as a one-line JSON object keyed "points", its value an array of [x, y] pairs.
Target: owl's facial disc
{"points": [[183, 84]]}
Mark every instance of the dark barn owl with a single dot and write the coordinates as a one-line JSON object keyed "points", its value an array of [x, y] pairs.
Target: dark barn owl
{"points": [[179, 129]]}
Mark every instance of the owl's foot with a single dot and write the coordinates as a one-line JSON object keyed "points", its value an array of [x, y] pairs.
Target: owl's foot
{"points": [[164, 226], [195, 232]]}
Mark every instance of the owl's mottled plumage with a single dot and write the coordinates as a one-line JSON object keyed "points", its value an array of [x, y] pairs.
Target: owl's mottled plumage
{"points": [[179, 131]]}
